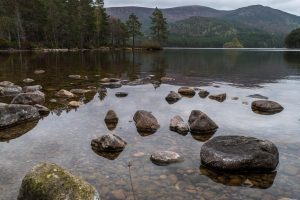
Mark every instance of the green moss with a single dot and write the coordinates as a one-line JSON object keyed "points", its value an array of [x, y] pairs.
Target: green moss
{"points": [[49, 181]]}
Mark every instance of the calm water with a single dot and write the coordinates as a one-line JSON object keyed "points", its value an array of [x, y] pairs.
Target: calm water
{"points": [[64, 136]]}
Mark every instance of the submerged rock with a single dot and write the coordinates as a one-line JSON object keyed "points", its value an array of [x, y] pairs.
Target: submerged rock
{"points": [[10, 90], [15, 114], [203, 94], [40, 71], [219, 97], [145, 122], [239, 153], [187, 91], [108, 143], [50, 182], [32, 88], [258, 96], [165, 157], [167, 79], [6, 84], [77, 77], [79, 91], [266, 107], [64, 94], [200, 123], [28, 80], [30, 98], [173, 97], [177, 124], [121, 94]]}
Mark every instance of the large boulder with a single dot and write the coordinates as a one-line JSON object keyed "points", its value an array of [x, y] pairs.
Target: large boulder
{"points": [[200, 123], [30, 98], [32, 88], [187, 91], [64, 94], [145, 122], [42, 109], [108, 143], [219, 97], [11, 90], [173, 97], [266, 107], [178, 125], [50, 182], [165, 157], [239, 153], [14, 114]]}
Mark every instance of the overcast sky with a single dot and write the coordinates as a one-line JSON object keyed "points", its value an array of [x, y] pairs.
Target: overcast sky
{"points": [[291, 6]]}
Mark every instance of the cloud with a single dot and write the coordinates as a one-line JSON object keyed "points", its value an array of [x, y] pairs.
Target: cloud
{"points": [[291, 6]]}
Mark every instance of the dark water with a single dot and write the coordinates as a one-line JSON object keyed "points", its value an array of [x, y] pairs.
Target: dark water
{"points": [[64, 136]]}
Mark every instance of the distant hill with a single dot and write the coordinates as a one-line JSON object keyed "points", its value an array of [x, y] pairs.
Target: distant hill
{"points": [[214, 32], [255, 25]]}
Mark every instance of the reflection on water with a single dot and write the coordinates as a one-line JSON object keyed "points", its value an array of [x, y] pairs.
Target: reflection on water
{"points": [[259, 180], [64, 136]]}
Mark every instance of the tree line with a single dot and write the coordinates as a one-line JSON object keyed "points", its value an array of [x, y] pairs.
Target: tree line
{"points": [[72, 24]]}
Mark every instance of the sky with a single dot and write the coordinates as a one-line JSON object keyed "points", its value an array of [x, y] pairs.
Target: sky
{"points": [[291, 6]]}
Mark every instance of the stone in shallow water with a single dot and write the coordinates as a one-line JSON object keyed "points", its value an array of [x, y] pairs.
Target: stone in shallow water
{"points": [[111, 120], [266, 107], [14, 114], [173, 97], [75, 77], [64, 94], [108, 143], [28, 80], [239, 153], [40, 71], [258, 96], [121, 94], [200, 123], [112, 85], [30, 98], [145, 122], [79, 91], [219, 97], [75, 104], [203, 94], [186, 91], [10, 90], [254, 180], [50, 182], [165, 157], [32, 88], [177, 124], [42, 109], [6, 84]]}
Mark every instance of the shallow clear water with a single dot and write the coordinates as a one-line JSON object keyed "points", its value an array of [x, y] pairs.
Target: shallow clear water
{"points": [[65, 135]]}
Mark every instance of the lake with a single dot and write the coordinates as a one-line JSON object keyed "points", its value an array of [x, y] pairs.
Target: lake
{"points": [[64, 136]]}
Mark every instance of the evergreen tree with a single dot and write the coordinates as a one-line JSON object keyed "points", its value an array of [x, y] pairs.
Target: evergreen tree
{"points": [[293, 39], [159, 26], [101, 23], [134, 27]]}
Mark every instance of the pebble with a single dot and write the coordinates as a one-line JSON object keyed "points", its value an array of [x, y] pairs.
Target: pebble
{"points": [[172, 178], [119, 194], [163, 176], [138, 154]]}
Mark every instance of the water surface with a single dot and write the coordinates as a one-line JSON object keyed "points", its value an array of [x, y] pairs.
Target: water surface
{"points": [[65, 135]]}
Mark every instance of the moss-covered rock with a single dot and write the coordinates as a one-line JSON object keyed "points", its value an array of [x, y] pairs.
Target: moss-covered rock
{"points": [[50, 182]]}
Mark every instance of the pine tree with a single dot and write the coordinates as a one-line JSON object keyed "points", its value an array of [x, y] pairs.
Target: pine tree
{"points": [[159, 26], [134, 27], [101, 23]]}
